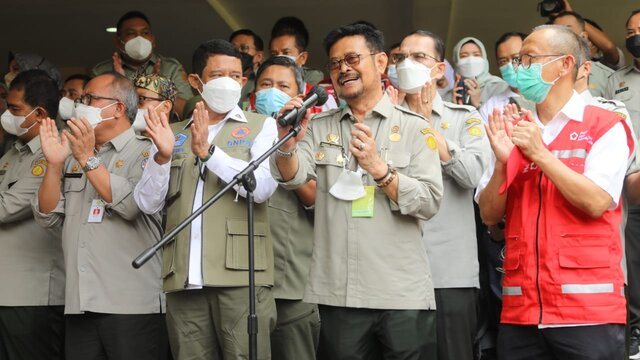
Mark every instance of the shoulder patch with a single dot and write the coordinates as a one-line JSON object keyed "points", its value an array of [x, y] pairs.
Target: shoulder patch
{"points": [[431, 141], [426, 131], [37, 170], [473, 121], [475, 131]]}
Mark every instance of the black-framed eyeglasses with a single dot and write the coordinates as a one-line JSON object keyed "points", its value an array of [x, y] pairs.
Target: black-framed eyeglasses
{"points": [[88, 98], [245, 48], [526, 59], [350, 60], [416, 56], [142, 99]]}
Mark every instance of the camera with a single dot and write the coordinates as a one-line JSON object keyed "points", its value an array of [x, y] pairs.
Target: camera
{"points": [[548, 7]]}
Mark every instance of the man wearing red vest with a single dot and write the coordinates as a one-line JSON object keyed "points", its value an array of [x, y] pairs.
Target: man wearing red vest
{"points": [[556, 176]]}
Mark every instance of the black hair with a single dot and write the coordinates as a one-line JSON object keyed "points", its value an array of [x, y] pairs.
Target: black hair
{"points": [[247, 63], [633, 13], [85, 78], [439, 43], [508, 35], [134, 14], [257, 40], [40, 90], [292, 26], [286, 62], [395, 45], [575, 15], [365, 22], [210, 48], [373, 37]]}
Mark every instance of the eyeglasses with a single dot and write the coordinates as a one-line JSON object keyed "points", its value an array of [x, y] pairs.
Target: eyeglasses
{"points": [[350, 60], [416, 56], [245, 48], [142, 99], [526, 60], [88, 98]]}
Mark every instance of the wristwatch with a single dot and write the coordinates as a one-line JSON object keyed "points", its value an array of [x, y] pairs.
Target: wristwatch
{"points": [[92, 164]]}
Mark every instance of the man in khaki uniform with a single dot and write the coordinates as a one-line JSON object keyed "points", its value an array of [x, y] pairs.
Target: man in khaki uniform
{"points": [[135, 56], [369, 272], [624, 86], [113, 311], [31, 263], [205, 268], [450, 236]]}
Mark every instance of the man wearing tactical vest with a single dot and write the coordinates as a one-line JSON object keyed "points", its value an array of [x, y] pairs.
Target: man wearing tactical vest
{"points": [[557, 175], [205, 268]]}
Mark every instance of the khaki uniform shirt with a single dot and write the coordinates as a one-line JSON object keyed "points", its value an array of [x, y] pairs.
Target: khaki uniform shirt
{"points": [[374, 262], [450, 236], [598, 79], [624, 85], [98, 256], [31, 260], [169, 68]]}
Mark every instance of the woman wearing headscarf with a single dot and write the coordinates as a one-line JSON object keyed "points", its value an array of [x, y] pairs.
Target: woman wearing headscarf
{"points": [[472, 67]]}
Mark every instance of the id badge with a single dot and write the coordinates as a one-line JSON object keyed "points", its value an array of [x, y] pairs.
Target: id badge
{"points": [[96, 213], [363, 207]]}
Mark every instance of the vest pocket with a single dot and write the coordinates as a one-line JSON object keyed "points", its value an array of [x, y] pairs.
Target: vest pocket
{"points": [[237, 248], [175, 178], [512, 294], [168, 256]]}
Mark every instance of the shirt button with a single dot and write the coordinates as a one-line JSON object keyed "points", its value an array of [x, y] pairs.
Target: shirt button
{"points": [[82, 268], [82, 244]]}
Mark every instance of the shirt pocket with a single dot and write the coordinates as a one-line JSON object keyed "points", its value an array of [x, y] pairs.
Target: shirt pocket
{"points": [[400, 160], [237, 247], [175, 178], [330, 162]]}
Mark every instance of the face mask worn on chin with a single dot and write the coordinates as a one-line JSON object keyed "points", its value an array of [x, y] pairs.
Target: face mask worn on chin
{"points": [[290, 57], [12, 123], [392, 74], [509, 74], [531, 84], [270, 101], [221, 94], [138, 48], [471, 66], [140, 124], [633, 45], [66, 107], [348, 186], [412, 76], [92, 114]]}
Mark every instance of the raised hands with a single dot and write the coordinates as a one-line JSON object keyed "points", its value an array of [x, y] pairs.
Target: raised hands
{"points": [[117, 63], [161, 134], [200, 131], [363, 147], [81, 139], [54, 147], [499, 131]]}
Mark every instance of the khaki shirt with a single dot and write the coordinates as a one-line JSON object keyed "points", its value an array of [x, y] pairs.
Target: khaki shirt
{"points": [[169, 68], [450, 236], [312, 76], [598, 79], [378, 262], [31, 260], [98, 256], [624, 85]]}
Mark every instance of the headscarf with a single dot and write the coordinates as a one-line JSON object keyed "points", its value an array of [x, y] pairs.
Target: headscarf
{"points": [[489, 84]]}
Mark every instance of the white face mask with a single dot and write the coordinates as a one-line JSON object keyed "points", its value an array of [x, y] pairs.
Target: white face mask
{"points": [[91, 113], [412, 76], [471, 66], [66, 107], [140, 124], [348, 186], [221, 94], [138, 48], [12, 123]]}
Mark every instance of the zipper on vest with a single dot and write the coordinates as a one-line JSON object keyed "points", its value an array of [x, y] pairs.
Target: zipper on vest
{"points": [[537, 250]]}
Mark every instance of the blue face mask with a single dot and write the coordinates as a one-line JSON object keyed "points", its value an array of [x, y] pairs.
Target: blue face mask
{"points": [[509, 75], [531, 84], [269, 101]]}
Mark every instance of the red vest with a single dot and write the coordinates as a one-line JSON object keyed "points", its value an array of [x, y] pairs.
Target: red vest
{"points": [[562, 266]]}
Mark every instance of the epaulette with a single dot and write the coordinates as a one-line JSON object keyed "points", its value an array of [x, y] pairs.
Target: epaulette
{"points": [[451, 105], [408, 111], [325, 114]]}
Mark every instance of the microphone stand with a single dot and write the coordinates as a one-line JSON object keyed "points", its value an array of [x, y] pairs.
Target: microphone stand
{"points": [[248, 181]]}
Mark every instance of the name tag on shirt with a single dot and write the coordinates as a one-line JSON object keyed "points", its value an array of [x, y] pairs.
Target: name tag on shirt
{"points": [[72, 175], [363, 207], [96, 212]]}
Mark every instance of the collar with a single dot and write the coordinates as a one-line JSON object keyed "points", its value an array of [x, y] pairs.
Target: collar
{"points": [[438, 104], [236, 114], [152, 60], [586, 96], [573, 110], [121, 139], [33, 145], [384, 108]]}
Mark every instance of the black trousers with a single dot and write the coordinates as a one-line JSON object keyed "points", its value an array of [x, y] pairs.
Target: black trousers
{"points": [[457, 321], [31, 332], [596, 342], [116, 337]]}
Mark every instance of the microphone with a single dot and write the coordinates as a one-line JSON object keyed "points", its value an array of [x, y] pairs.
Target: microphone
{"points": [[317, 96]]}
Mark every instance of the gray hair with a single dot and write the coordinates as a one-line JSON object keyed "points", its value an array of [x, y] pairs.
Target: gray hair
{"points": [[122, 89], [586, 51], [565, 42]]}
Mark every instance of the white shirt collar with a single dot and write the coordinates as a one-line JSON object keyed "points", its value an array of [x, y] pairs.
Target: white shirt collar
{"points": [[236, 114], [573, 109]]}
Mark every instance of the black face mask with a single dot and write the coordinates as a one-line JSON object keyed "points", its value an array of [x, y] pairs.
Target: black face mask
{"points": [[633, 45]]}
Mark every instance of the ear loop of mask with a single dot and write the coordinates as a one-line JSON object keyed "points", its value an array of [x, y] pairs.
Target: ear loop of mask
{"points": [[549, 62], [102, 108], [25, 119]]}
